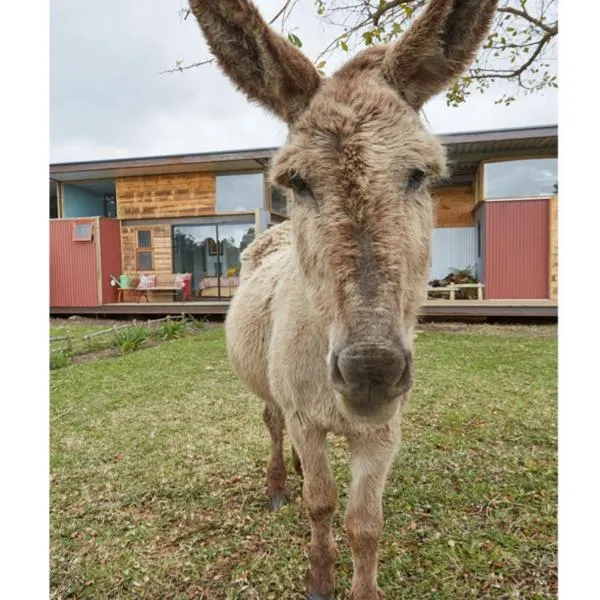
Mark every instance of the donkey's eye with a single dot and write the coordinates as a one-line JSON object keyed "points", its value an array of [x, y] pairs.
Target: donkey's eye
{"points": [[300, 186], [415, 179]]}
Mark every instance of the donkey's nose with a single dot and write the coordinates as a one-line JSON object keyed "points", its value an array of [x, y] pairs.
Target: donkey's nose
{"points": [[370, 373]]}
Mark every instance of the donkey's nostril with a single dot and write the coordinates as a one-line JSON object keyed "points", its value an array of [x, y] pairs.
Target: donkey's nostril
{"points": [[373, 366]]}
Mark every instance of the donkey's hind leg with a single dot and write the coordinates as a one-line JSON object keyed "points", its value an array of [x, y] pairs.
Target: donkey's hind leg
{"points": [[276, 473]]}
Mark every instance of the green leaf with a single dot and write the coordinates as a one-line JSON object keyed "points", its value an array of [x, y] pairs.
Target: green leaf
{"points": [[295, 40], [344, 46]]}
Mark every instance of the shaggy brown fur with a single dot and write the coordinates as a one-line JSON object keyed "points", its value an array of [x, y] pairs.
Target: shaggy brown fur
{"points": [[321, 327], [263, 64]]}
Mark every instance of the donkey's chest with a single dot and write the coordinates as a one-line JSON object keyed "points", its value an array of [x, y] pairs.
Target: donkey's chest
{"points": [[297, 368]]}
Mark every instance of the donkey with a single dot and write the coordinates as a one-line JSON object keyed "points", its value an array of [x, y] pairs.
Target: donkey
{"points": [[321, 327]]}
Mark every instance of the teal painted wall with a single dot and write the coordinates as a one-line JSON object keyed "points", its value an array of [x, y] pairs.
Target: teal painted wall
{"points": [[78, 202]]}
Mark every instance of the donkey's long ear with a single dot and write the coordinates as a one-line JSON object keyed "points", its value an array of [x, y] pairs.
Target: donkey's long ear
{"points": [[437, 48], [260, 62]]}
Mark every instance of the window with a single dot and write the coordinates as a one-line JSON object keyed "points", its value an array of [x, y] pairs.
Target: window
{"points": [[212, 254], [82, 232], [529, 178], [53, 200], [240, 192], [93, 198], [278, 201], [144, 250], [110, 205], [144, 238], [53, 207]]}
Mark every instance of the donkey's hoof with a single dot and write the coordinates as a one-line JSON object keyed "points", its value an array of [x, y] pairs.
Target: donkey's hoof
{"points": [[276, 501], [315, 596]]}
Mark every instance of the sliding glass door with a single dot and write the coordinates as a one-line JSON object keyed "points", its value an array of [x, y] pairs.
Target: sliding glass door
{"points": [[191, 253], [212, 254]]}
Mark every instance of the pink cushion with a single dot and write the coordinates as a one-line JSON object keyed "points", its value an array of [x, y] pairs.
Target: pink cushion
{"points": [[147, 281], [181, 278]]}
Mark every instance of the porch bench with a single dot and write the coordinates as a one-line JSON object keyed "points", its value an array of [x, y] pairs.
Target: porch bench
{"points": [[453, 287], [165, 284]]}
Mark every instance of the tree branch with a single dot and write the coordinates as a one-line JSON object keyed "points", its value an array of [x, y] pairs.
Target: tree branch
{"points": [[383, 9], [180, 69], [281, 11], [508, 73], [551, 30]]}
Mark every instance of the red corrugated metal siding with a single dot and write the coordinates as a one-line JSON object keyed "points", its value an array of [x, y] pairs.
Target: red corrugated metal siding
{"points": [[110, 251], [516, 249], [73, 270]]}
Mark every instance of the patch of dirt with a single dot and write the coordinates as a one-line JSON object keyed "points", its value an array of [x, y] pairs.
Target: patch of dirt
{"points": [[92, 356], [111, 352]]}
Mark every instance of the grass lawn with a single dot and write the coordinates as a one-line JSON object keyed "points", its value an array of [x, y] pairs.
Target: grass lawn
{"points": [[158, 465], [76, 329]]}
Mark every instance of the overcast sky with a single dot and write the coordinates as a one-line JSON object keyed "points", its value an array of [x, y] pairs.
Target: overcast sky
{"points": [[108, 99]]}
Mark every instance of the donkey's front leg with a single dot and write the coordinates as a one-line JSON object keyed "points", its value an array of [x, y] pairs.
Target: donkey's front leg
{"points": [[320, 496], [276, 473], [371, 458]]}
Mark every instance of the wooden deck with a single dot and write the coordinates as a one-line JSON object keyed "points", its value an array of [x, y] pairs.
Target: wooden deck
{"points": [[490, 308], [432, 308]]}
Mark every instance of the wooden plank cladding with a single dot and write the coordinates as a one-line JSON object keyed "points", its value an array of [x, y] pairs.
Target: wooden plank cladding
{"points": [[158, 196], [454, 206], [162, 249]]}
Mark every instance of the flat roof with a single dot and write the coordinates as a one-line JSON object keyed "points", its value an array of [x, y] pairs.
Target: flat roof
{"points": [[463, 148]]}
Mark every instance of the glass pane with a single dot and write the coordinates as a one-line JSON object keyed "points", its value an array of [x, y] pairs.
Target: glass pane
{"points": [[110, 205], [243, 192], [53, 207], [88, 199], [195, 251], [144, 261], [212, 255], [144, 239], [232, 241], [278, 201], [521, 178], [83, 231]]}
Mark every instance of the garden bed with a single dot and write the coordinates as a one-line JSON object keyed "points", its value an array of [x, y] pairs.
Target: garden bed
{"points": [[80, 341]]}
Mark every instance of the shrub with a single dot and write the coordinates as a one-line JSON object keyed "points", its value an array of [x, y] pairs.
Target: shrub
{"points": [[170, 330], [131, 339], [197, 323], [58, 359]]}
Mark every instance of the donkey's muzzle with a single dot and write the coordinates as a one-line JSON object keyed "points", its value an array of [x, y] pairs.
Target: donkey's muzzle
{"points": [[370, 376]]}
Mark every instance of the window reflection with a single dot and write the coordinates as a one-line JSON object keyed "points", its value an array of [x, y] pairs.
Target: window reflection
{"points": [[212, 254], [521, 178], [239, 192]]}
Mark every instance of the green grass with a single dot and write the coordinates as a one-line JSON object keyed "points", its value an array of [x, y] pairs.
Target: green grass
{"points": [[77, 329], [158, 462]]}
